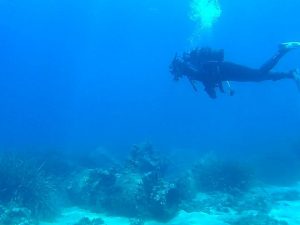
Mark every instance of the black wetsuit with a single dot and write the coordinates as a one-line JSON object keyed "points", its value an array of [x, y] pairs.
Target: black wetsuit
{"points": [[213, 72]]}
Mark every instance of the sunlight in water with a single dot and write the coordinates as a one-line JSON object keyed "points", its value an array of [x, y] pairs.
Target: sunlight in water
{"points": [[205, 13]]}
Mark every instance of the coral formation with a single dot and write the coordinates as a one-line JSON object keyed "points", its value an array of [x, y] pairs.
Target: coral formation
{"points": [[138, 190], [141, 188]]}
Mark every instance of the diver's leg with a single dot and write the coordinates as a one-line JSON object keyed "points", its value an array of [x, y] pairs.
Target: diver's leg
{"points": [[283, 48], [271, 63], [278, 76], [294, 75]]}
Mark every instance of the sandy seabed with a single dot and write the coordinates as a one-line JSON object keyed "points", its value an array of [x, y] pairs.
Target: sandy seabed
{"points": [[287, 211]]}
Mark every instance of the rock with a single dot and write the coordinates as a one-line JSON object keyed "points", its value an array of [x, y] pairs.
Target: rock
{"points": [[17, 216], [87, 221]]}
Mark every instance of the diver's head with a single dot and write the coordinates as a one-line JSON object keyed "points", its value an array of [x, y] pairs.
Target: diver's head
{"points": [[177, 68]]}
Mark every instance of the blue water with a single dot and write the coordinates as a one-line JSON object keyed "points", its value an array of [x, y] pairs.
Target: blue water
{"points": [[82, 81], [83, 74]]}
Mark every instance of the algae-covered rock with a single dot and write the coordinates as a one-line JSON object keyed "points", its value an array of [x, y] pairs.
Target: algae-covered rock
{"points": [[213, 175], [24, 181], [143, 159], [17, 216], [90, 187], [87, 221], [136, 221], [139, 189]]}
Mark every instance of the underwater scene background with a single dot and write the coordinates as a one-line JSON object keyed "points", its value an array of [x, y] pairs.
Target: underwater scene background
{"points": [[94, 130]]}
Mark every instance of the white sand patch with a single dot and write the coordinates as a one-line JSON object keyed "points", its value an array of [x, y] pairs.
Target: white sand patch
{"points": [[283, 210], [194, 218], [72, 215], [287, 211]]}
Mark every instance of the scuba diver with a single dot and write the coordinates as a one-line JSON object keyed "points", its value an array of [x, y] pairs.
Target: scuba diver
{"points": [[208, 66]]}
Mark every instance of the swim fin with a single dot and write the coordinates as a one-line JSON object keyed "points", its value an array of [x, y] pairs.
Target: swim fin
{"points": [[296, 76], [289, 45]]}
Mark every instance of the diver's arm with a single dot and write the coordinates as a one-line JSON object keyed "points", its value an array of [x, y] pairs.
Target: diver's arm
{"points": [[193, 84], [210, 90]]}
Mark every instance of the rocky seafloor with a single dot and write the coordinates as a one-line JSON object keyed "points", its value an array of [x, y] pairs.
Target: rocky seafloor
{"points": [[145, 188]]}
